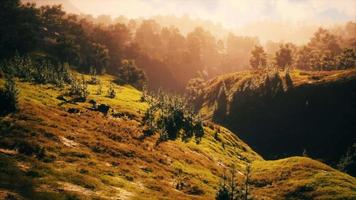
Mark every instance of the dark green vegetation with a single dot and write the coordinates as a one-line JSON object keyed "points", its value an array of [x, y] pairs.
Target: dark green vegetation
{"points": [[281, 114], [8, 97], [38, 70], [172, 117]]}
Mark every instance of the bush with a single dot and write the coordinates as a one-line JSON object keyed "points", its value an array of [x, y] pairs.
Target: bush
{"points": [[111, 91], [172, 117], [99, 90], [40, 70], [93, 79], [79, 89], [9, 97], [229, 189]]}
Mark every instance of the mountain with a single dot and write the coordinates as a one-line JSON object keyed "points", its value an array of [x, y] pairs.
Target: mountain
{"points": [[282, 115], [51, 149]]}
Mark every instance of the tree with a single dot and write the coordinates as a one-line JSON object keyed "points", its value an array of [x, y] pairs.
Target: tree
{"points": [[100, 56], [284, 56], [19, 28], [129, 73], [67, 49], [303, 60], [346, 59], [258, 59], [324, 49]]}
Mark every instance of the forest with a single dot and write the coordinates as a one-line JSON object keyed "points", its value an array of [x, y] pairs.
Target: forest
{"points": [[49, 33]]}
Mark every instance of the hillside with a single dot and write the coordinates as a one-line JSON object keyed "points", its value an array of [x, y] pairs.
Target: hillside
{"points": [[307, 112], [56, 150]]}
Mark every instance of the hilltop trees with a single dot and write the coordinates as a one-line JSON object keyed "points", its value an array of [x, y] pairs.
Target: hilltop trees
{"points": [[258, 59], [347, 59], [324, 49], [284, 56], [324, 52], [169, 57]]}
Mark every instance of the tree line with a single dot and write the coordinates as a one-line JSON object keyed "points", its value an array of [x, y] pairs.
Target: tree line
{"points": [[163, 55], [324, 51]]}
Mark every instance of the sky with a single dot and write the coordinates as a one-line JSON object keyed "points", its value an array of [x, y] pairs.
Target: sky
{"points": [[230, 13], [285, 20]]}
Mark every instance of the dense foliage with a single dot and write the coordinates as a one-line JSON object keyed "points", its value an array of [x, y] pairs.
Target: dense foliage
{"points": [[169, 58], [172, 117], [79, 89], [325, 51], [40, 70], [131, 74]]}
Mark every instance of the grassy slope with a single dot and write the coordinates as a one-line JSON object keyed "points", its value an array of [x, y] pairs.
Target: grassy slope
{"points": [[88, 155], [233, 82]]}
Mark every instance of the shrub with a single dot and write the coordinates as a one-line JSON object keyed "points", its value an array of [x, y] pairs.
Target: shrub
{"points": [[111, 91], [347, 162], [229, 189], [9, 97], [79, 89], [172, 117], [40, 70], [93, 79], [223, 193], [99, 90]]}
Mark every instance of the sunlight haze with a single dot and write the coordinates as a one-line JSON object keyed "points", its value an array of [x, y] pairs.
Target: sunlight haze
{"points": [[276, 20]]}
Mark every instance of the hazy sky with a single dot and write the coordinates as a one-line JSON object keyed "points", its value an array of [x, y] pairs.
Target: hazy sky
{"points": [[277, 20], [231, 13]]}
